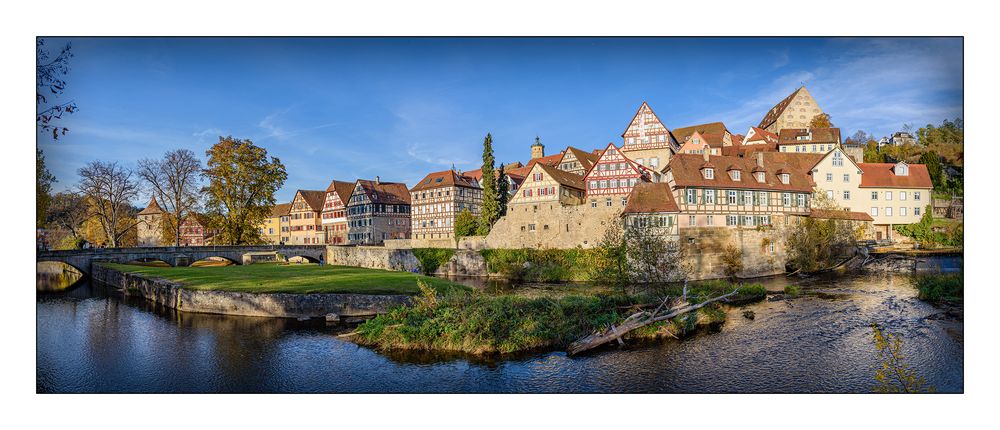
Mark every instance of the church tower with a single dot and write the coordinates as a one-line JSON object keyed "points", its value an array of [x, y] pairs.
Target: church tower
{"points": [[537, 149]]}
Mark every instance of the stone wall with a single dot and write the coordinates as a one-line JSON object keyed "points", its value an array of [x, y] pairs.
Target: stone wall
{"points": [[171, 295], [373, 257], [464, 263], [444, 242], [554, 226], [397, 243], [474, 243], [704, 248]]}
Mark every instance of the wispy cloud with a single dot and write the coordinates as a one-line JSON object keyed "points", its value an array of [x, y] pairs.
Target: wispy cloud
{"points": [[780, 58]]}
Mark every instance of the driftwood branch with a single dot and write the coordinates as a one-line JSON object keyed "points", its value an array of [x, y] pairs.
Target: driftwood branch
{"points": [[637, 320]]}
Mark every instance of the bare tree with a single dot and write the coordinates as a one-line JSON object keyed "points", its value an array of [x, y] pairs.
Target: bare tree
{"points": [[111, 190], [68, 211], [175, 182]]}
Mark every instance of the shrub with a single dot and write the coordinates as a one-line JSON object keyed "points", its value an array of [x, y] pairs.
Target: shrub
{"points": [[792, 290], [732, 261], [432, 258], [544, 265], [944, 288]]}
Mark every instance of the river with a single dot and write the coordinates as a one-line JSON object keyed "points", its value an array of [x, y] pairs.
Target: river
{"points": [[90, 342]]}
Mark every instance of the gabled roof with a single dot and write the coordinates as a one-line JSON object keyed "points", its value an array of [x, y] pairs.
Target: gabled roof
{"points": [[881, 175], [445, 178], [564, 178], [682, 133], [638, 167], [637, 111], [685, 169], [391, 193], [342, 188], [586, 159], [477, 174], [836, 214], [790, 136], [757, 133], [651, 197], [280, 209], [199, 219], [772, 115], [313, 198], [152, 208]]}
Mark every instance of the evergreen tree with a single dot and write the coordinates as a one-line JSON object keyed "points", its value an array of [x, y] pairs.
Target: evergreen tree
{"points": [[491, 209], [933, 163], [503, 194]]}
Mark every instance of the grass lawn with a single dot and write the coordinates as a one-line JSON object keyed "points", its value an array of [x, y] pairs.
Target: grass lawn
{"points": [[293, 278]]}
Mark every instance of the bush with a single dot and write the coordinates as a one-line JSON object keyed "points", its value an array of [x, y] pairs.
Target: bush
{"points": [[540, 265], [940, 288], [924, 232], [792, 290], [432, 258]]}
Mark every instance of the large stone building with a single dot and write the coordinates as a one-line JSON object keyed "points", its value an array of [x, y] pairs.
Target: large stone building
{"points": [[795, 111], [808, 140], [274, 229], [304, 218], [334, 214], [149, 229], [648, 139], [378, 211], [437, 199]]}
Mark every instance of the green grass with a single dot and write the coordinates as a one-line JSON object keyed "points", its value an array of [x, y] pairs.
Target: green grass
{"points": [[294, 278], [432, 258], [540, 265], [941, 288]]}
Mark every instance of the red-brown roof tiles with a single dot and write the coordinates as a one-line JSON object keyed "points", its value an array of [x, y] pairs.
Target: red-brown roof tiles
{"points": [[772, 115], [314, 198], [343, 189], [686, 171], [839, 214], [152, 208], [444, 178], [565, 178], [881, 175], [790, 136], [280, 209], [651, 197], [391, 193]]}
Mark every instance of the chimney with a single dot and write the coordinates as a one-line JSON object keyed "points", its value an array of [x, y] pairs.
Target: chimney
{"points": [[705, 154], [377, 182], [760, 159]]}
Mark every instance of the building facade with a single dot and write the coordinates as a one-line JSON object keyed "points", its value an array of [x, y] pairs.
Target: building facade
{"points": [[271, 229], [305, 224], [808, 140], [334, 214], [795, 111], [651, 206], [149, 229], [612, 177], [648, 139], [437, 199], [547, 185], [378, 211], [577, 161], [195, 231]]}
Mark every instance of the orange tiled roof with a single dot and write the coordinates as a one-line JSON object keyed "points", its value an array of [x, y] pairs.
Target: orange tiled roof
{"points": [[313, 198], [444, 178], [152, 208], [881, 175], [683, 133], [342, 188], [280, 209], [686, 171], [761, 134], [836, 214], [393, 193], [650, 197]]}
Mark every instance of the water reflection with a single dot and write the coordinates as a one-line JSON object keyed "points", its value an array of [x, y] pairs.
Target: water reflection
{"points": [[820, 342]]}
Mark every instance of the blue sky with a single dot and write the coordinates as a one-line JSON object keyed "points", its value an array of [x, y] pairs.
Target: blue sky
{"points": [[345, 108]]}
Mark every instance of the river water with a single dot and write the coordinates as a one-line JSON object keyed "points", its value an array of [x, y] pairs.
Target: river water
{"points": [[820, 342]]}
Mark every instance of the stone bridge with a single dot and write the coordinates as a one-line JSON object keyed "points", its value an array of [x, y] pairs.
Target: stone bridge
{"points": [[81, 259]]}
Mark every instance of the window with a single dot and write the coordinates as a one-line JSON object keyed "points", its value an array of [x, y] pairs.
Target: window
{"points": [[655, 161], [613, 183], [760, 176], [604, 183], [692, 220], [902, 211], [531, 227], [732, 197], [829, 194], [710, 220], [691, 198], [874, 195], [763, 198], [748, 197], [786, 199], [800, 200], [593, 185], [888, 195], [838, 159], [709, 173], [814, 147], [916, 211], [784, 178], [902, 195], [593, 203], [847, 195], [874, 211], [709, 197], [621, 166], [624, 201], [736, 175], [536, 177], [847, 177], [607, 202], [731, 220]]}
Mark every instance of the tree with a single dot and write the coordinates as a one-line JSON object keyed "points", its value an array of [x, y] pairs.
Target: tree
{"points": [[49, 83], [174, 181], [465, 223], [859, 137], [43, 186], [820, 121], [732, 261], [68, 211], [110, 189], [893, 374], [872, 154], [503, 191], [490, 211], [934, 167], [635, 254], [242, 181]]}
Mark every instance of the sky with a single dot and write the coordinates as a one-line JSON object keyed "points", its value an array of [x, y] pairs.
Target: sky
{"points": [[399, 108]]}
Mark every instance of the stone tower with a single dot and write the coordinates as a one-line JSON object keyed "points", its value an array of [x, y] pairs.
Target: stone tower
{"points": [[537, 149], [149, 230]]}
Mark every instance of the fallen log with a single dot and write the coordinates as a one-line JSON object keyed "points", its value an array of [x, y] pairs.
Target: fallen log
{"points": [[637, 320]]}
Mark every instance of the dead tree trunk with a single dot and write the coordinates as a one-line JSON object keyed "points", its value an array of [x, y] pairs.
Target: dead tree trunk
{"points": [[637, 320]]}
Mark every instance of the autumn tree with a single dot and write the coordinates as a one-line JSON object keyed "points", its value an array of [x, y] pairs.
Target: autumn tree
{"points": [[872, 153], [110, 189], [490, 211], [465, 223], [43, 188], [503, 191], [821, 121], [242, 180], [68, 211], [175, 182], [49, 84], [894, 375]]}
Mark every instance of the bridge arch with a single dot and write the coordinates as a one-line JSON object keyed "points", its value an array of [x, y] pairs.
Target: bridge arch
{"points": [[215, 260]]}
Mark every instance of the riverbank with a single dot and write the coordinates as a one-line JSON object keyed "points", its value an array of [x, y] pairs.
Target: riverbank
{"points": [[480, 324], [303, 291]]}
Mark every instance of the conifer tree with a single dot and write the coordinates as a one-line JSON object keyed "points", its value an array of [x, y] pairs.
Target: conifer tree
{"points": [[491, 209], [502, 191]]}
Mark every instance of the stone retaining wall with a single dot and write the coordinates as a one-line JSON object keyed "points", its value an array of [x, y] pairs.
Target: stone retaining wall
{"points": [[171, 295], [373, 257]]}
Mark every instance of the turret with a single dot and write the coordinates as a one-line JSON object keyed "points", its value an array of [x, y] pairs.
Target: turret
{"points": [[537, 149]]}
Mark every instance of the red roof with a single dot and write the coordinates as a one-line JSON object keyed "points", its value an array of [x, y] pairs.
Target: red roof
{"points": [[392, 193], [682, 133], [651, 197], [686, 171], [838, 214], [881, 175], [759, 134], [772, 115], [790, 136], [343, 189], [313, 198], [152, 208], [563, 177], [280, 209], [444, 178]]}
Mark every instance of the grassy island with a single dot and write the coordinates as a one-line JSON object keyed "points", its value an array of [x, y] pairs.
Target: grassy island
{"points": [[482, 324], [294, 278]]}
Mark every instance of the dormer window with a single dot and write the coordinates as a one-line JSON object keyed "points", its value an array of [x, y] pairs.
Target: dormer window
{"points": [[901, 169], [760, 177], [709, 173], [735, 174], [785, 178]]}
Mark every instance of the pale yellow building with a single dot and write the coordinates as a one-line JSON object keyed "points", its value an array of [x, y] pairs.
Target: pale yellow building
{"points": [[271, 229], [547, 185], [305, 224], [795, 111]]}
